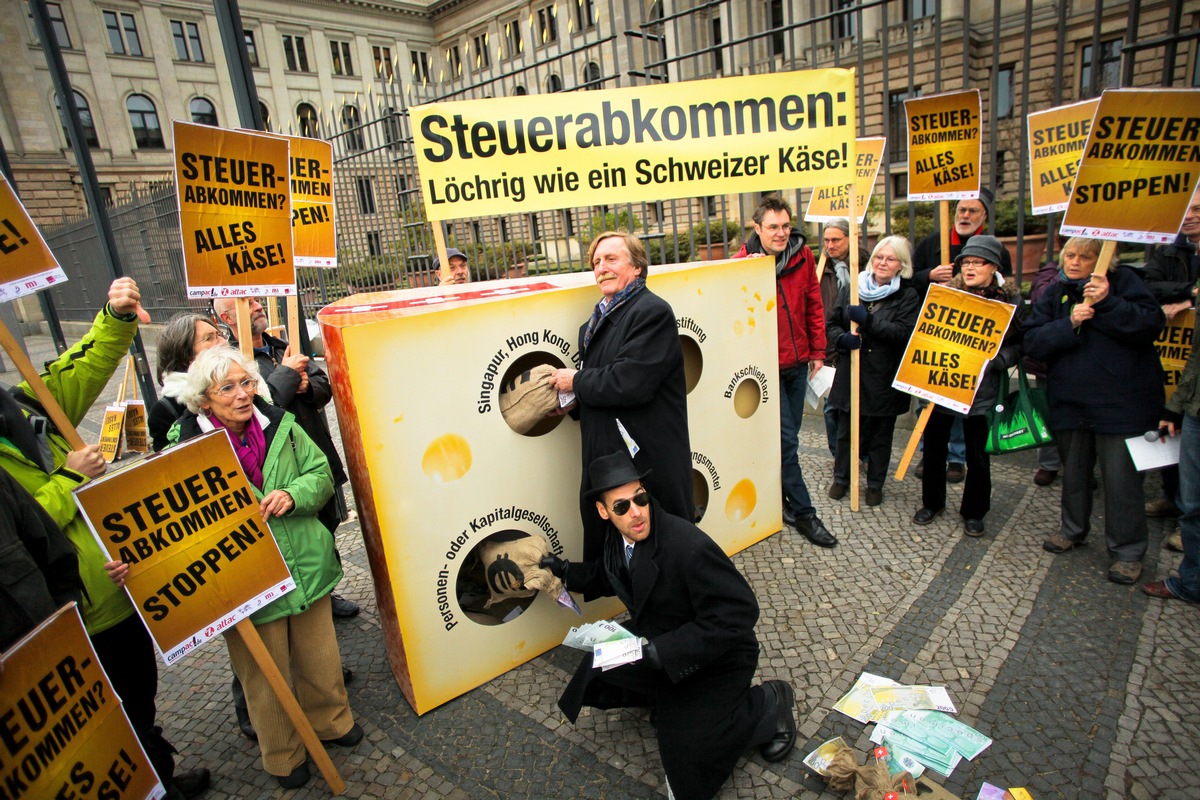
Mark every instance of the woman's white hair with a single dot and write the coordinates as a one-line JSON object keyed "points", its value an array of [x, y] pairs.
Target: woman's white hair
{"points": [[901, 249], [209, 370]]}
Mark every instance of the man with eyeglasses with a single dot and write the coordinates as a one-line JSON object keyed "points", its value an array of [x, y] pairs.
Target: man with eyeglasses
{"points": [[801, 331], [835, 284], [696, 615]]}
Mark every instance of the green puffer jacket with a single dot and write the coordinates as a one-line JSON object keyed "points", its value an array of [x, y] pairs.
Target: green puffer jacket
{"points": [[76, 379], [296, 465]]}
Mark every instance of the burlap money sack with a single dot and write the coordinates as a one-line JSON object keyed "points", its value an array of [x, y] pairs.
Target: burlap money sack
{"points": [[870, 781], [511, 569], [528, 398]]}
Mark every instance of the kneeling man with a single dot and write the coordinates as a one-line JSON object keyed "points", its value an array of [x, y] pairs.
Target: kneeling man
{"points": [[696, 614]]}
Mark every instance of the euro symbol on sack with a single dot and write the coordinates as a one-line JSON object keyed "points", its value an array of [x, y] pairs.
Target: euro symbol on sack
{"points": [[503, 575]]}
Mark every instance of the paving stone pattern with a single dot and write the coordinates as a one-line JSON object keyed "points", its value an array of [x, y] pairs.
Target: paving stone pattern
{"points": [[1085, 686]]}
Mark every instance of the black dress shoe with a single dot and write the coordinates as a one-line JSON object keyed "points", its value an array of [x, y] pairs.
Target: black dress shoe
{"points": [[342, 607], [789, 517], [815, 531], [973, 527], [347, 676], [926, 516], [296, 778], [243, 720], [785, 726], [192, 782], [874, 496], [347, 739], [955, 472]]}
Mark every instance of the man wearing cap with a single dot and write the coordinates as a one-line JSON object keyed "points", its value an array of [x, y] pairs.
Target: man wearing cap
{"points": [[696, 615], [459, 271], [835, 284]]}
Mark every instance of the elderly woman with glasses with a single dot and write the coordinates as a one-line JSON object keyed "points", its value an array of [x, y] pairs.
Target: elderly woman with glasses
{"points": [[977, 269], [886, 315], [292, 479], [186, 336]]}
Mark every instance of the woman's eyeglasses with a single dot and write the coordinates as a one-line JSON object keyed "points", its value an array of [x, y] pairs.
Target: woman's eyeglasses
{"points": [[621, 507], [248, 385], [209, 338]]}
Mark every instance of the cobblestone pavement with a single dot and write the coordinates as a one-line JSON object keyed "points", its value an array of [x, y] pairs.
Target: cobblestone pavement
{"points": [[1085, 686]]}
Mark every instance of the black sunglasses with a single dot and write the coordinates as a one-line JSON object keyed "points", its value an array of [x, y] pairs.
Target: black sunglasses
{"points": [[621, 507]]}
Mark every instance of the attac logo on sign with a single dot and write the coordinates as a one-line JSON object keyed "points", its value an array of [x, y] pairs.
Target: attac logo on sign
{"points": [[1056, 140], [63, 732], [957, 333], [235, 212], [1174, 345], [944, 146], [827, 203], [1139, 168], [26, 263], [721, 136], [187, 522]]}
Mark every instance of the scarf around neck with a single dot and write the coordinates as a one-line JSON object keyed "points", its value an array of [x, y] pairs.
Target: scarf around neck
{"points": [[1078, 284], [603, 309], [869, 291], [250, 447], [996, 290]]}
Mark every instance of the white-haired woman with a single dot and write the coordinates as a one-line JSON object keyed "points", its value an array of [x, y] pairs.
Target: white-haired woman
{"points": [[292, 479], [886, 314]]}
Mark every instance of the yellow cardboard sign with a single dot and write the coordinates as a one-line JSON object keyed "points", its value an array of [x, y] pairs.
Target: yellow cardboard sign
{"points": [[137, 437], [957, 333], [110, 432], [187, 522], [696, 138], [26, 263], [65, 733], [311, 175], [1174, 345], [1139, 167], [235, 212], [945, 146], [827, 203], [1056, 140]]}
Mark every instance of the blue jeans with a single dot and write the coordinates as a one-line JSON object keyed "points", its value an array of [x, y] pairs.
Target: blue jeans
{"points": [[1187, 585], [791, 415]]}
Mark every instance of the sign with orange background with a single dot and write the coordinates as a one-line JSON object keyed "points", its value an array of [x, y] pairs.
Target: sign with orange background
{"points": [[828, 203], [64, 732], [957, 333], [311, 174], [945, 146], [1174, 345], [26, 263], [1056, 140], [187, 522], [1138, 169], [235, 212]]}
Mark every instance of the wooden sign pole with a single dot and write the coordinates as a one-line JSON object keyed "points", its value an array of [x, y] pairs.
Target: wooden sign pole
{"points": [[439, 243], [855, 361], [31, 376], [1107, 251], [821, 265], [244, 336], [293, 323]]}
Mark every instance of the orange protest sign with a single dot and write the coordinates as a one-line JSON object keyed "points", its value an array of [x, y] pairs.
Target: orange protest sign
{"points": [[957, 333], [944, 146], [235, 212], [1138, 170], [1056, 140], [828, 203], [1174, 345], [26, 263], [188, 524], [311, 174], [63, 729]]}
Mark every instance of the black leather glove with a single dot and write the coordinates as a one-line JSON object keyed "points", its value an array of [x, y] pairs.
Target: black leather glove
{"points": [[849, 341], [557, 566], [650, 656], [857, 314]]}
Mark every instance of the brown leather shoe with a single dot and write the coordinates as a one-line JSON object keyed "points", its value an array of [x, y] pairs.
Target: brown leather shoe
{"points": [[1162, 507], [956, 472], [1158, 589], [1125, 573], [1044, 477], [1175, 540]]}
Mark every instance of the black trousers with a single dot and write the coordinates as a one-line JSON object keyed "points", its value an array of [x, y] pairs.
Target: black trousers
{"points": [[977, 489], [875, 444]]}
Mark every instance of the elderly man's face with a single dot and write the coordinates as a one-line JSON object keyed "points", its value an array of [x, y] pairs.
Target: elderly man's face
{"points": [[969, 216], [1191, 220], [837, 244], [458, 271], [612, 267], [227, 311], [774, 231], [634, 524]]}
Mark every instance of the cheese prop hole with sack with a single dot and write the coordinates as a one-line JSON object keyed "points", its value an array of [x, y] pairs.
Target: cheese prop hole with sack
{"points": [[527, 397], [502, 573]]}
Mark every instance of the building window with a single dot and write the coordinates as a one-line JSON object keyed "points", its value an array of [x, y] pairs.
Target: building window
{"points": [[504, 234], [656, 211], [383, 61], [1004, 92], [1108, 73], [366, 195], [251, 48], [554, 84], [265, 113], [339, 53], [718, 56], [187, 41], [85, 120], [899, 184], [203, 112], [585, 15], [352, 125], [402, 192], [295, 53], [512, 37], [520, 91], [454, 61], [898, 124], [374, 243], [845, 24], [391, 129], [775, 24], [547, 24], [483, 59], [1001, 171], [535, 228], [306, 119], [919, 9], [710, 205], [122, 33], [420, 66], [147, 133], [58, 25], [568, 222], [476, 231], [591, 76]]}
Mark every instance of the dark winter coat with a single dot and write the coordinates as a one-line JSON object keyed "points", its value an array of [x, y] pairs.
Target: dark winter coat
{"points": [[632, 372], [800, 312], [160, 419], [687, 598], [995, 372], [830, 292], [1104, 376], [1172, 271], [885, 334]]}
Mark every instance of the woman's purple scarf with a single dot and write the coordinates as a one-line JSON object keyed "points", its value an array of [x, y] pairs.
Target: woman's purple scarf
{"points": [[251, 447]]}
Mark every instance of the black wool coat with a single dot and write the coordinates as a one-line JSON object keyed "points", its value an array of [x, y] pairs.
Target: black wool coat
{"points": [[889, 324], [685, 596], [633, 372]]}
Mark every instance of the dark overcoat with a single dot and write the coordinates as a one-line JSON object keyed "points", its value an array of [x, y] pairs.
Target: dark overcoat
{"points": [[686, 596], [885, 334], [632, 372]]}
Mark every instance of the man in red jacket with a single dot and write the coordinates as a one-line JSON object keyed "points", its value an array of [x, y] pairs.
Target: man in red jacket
{"points": [[801, 349]]}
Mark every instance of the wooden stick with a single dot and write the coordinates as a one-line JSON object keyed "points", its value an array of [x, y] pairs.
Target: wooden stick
{"points": [[439, 243], [124, 383], [913, 441], [855, 361], [1107, 250], [293, 323], [944, 219], [31, 376], [272, 312], [133, 380], [244, 336], [821, 265], [283, 692]]}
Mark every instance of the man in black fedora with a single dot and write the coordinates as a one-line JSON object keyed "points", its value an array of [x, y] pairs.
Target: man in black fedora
{"points": [[696, 614]]}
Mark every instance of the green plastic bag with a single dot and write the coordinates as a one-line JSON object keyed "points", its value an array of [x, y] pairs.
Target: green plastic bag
{"points": [[1020, 420]]}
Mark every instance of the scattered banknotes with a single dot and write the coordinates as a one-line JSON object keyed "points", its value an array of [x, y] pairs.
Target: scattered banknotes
{"points": [[818, 760]]}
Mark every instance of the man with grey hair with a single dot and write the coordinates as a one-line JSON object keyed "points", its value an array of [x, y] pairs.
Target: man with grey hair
{"points": [[835, 291]]}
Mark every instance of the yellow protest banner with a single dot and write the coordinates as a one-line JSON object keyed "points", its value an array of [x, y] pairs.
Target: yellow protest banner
{"points": [[188, 524], [957, 333], [944, 146], [235, 212], [110, 432], [1056, 140], [137, 436], [827, 203], [63, 731], [695, 138], [26, 263], [1139, 167], [311, 174], [1174, 345]]}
